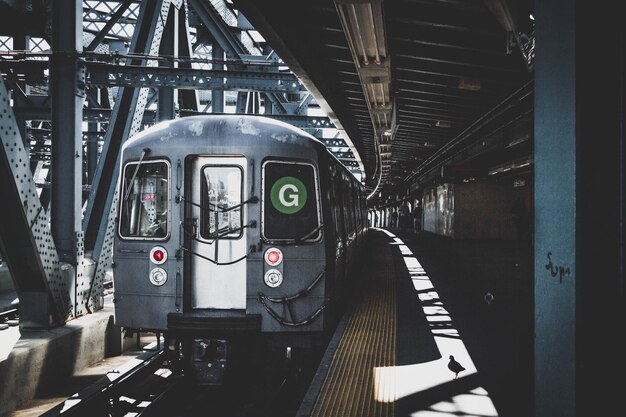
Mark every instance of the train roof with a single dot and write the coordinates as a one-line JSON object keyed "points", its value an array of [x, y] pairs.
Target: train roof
{"points": [[233, 127], [225, 130]]}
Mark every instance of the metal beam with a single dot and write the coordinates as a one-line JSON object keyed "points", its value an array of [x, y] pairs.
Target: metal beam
{"points": [[21, 42], [218, 28], [187, 99], [217, 94], [67, 92], [242, 80], [303, 122], [275, 104], [256, 76], [67, 88], [168, 48], [24, 232], [304, 104], [100, 115], [107, 27], [242, 97]]}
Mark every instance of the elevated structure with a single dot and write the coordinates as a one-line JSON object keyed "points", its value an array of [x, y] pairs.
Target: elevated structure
{"points": [[72, 92], [422, 92]]}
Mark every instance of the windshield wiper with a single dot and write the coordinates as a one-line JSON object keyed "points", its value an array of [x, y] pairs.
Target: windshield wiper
{"points": [[145, 152]]}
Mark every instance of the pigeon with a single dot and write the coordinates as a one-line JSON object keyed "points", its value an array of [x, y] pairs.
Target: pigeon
{"points": [[455, 367]]}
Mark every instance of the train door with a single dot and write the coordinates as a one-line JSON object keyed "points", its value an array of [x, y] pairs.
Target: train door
{"points": [[218, 266]]}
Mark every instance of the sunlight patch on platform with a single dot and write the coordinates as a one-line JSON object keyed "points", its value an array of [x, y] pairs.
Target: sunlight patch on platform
{"points": [[398, 382]]}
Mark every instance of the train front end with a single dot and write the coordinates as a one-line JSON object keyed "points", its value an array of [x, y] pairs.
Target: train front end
{"points": [[220, 238]]}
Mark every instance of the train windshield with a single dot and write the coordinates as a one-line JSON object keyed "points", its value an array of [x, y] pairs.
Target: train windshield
{"points": [[222, 189], [145, 197], [290, 202]]}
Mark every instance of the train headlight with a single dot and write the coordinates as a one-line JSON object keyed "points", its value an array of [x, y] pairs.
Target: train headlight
{"points": [[158, 255], [158, 276], [273, 278], [273, 256]]}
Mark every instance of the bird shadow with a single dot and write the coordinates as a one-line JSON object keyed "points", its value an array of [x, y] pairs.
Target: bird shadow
{"points": [[423, 400]]}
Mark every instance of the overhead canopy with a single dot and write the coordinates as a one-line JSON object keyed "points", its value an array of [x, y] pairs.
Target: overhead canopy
{"points": [[449, 62]]}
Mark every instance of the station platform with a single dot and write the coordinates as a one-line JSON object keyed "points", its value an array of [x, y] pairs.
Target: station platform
{"points": [[422, 300]]}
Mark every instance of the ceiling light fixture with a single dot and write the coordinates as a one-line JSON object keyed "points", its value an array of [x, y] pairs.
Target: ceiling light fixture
{"points": [[363, 24]]}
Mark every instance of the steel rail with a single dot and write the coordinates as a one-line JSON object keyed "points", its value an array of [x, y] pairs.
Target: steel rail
{"points": [[92, 400], [9, 314]]}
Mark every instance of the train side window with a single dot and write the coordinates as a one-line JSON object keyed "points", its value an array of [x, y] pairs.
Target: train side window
{"points": [[221, 190], [144, 200], [290, 202]]}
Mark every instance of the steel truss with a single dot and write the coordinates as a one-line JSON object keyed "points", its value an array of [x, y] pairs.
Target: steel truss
{"points": [[145, 59]]}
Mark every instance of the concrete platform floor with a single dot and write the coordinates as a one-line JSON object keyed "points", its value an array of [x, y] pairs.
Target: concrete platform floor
{"points": [[41, 368], [55, 394]]}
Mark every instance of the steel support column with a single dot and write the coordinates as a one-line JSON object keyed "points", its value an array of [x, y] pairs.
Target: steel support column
{"points": [[67, 91], [21, 42], [187, 99], [217, 96], [242, 97], [268, 110], [169, 48], [580, 103], [254, 103]]}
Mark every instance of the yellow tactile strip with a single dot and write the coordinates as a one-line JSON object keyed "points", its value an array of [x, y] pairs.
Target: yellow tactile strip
{"points": [[368, 344]]}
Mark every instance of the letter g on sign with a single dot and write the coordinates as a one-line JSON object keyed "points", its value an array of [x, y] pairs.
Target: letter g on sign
{"points": [[291, 199], [288, 195]]}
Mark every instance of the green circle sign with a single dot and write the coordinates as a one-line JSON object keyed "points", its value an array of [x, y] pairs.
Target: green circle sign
{"points": [[288, 195]]}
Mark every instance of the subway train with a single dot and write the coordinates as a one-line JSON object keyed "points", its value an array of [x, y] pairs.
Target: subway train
{"points": [[231, 229]]}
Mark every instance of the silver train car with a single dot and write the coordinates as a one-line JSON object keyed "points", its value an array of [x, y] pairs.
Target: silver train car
{"points": [[230, 226]]}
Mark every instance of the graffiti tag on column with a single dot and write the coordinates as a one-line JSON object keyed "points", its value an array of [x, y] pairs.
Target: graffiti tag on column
{"points": [[555, 270]]}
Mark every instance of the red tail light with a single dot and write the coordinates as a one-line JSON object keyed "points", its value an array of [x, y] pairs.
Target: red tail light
{"points": [[273, 256], [158, 255]]}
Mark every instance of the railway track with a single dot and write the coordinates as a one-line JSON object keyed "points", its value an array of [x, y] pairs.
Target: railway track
{"points": [[129, 392], [152, 389], [9, 317]]}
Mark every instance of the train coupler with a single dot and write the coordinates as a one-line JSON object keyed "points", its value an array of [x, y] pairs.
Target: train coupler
{"points": [[209, 359]]}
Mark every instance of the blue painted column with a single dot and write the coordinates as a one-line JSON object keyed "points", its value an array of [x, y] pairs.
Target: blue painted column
{"points": [[555, 210], [67, 91], [579, 208]]}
